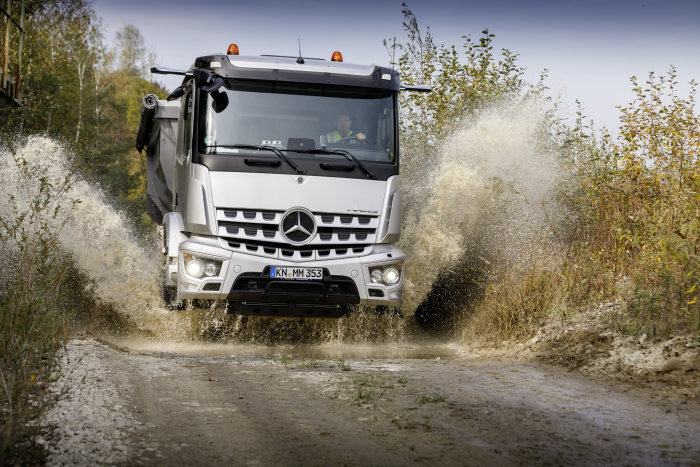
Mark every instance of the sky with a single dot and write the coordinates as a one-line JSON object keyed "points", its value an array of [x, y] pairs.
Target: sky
{"points": [[590, 48]]}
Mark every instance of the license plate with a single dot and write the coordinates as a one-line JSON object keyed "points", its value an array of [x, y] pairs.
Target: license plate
{"points": [[287, 272]]}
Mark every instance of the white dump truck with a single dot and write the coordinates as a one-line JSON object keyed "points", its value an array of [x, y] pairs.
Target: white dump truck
{"points": [[276, 181]]}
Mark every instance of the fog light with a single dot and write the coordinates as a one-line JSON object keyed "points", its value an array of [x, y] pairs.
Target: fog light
{"points": [[376, 276], [393, 295], [211, 269], [391, 276]]}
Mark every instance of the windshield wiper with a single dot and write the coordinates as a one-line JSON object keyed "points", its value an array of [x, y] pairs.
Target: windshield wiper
{"points": [[341, 152], [262, 148]]}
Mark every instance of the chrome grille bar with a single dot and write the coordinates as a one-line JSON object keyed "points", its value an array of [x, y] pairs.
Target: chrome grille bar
{"points": [[257, 232]]}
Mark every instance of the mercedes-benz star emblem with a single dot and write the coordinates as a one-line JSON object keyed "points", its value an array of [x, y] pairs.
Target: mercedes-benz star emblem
{"points": [[298, 226]]}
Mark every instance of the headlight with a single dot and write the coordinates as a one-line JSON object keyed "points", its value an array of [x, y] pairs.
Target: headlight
{"points": [[194, 267], [389, 274], [199, 267]]}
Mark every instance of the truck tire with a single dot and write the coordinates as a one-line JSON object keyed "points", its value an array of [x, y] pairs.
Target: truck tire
{"points": [[169, 295]]}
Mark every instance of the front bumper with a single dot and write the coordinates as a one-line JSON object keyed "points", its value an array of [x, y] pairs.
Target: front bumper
{"points": [[245, 278]]}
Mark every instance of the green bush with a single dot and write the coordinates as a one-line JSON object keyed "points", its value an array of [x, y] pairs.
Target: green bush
{"points": [[642, 206], [635, 205]]}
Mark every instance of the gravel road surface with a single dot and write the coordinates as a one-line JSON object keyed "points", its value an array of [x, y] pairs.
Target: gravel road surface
{"points": [[140, 402]]}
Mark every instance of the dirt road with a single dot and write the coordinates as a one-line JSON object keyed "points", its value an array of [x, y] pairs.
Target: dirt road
{"points": [[137, 402]]}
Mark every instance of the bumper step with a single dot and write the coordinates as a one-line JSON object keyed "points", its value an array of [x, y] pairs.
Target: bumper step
{"points": [[288, 310]]}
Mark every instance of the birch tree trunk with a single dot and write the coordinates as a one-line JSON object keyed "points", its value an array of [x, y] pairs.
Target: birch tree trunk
{"points": [[81, 81], [98, 106]]}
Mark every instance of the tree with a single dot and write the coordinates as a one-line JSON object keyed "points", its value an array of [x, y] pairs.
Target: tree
{"points": [[64, 40], [72, 91], [463, 84], [85, 50], [131, 50], [642, 204]]}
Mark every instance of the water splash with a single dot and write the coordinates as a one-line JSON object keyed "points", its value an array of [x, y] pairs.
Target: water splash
{"points": [[490, 196], [98, 237], [126, 270]]}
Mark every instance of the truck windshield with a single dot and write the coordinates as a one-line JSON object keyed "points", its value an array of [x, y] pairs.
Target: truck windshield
{"points": [[299, 119]]}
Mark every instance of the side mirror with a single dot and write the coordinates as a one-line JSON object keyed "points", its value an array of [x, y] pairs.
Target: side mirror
{"points": [[162, 70], [219, 101], [177, 93]]}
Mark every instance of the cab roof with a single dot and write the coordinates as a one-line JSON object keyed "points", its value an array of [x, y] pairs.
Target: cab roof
{"points": [[294, 69]]}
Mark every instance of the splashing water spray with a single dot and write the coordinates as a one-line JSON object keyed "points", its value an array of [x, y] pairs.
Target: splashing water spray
{"points": [[127, 272], [490, 192], [489, 197]]}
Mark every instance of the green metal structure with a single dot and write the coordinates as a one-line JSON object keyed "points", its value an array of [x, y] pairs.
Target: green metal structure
{"points": [[11, 43]]}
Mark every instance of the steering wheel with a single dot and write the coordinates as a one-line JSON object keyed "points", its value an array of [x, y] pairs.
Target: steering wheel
{"points": [[352, 139], [348, 140]]}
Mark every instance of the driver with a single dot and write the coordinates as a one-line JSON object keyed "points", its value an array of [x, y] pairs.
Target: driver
{"points": [[343, 129]]}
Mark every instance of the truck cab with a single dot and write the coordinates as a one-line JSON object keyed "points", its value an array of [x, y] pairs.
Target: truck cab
{"points": [[276, 181]]}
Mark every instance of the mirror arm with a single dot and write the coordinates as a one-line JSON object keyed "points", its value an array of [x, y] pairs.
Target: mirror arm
{"points": [[162, 70], [416, 88], [214, 85]]}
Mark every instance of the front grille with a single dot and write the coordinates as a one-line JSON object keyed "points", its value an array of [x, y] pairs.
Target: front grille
{"points": [[257, 232]]}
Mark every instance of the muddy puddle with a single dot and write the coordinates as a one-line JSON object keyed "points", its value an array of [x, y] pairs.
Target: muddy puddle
{"points": [[328, 351]]}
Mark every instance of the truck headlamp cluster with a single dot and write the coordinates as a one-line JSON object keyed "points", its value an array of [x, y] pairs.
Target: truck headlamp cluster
{"points": [[199, 267], [388, 274]]}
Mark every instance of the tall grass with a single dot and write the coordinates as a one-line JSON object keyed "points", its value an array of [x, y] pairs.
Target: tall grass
{"points": [[32, 320]]}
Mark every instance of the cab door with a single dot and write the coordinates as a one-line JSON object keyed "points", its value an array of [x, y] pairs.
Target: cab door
{"points": [[183, 151]]}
